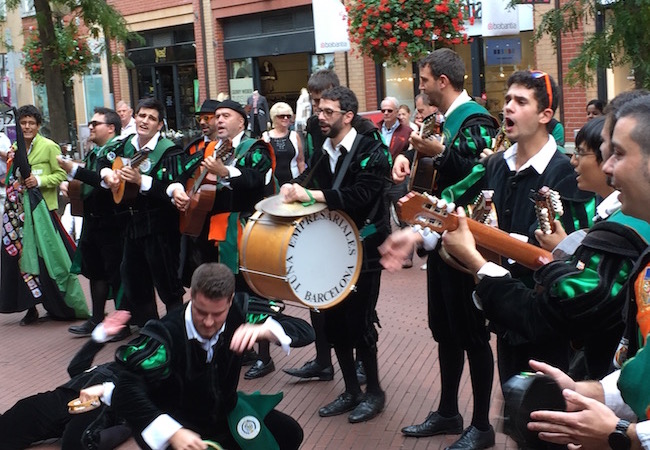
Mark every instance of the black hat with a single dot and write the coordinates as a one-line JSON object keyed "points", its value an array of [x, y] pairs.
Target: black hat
{"points": [[208, 107], [231, 104]]}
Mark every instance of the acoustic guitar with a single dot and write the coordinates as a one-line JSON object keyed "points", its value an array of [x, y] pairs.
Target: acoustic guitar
{"points": [[202, 190], [422, 209], [423, 172], [548, 206], [128, 191]]}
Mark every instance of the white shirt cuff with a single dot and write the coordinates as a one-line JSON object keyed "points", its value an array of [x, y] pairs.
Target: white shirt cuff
{"points": [[73, 171], [277, 330], [145, 183], [38, 180], [171, 188], [643, 433], [100, 335], [102, 173], [107, 396], [160, 431], [613, 398], [492, 270], [233, 172]]}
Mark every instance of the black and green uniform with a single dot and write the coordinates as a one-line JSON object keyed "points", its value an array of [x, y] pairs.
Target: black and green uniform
{"points": [[580, 298], [516, 214]]}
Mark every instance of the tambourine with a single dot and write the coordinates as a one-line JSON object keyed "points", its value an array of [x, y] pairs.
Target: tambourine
{"points": [[523, 394], [76, 406], [212, 444]]}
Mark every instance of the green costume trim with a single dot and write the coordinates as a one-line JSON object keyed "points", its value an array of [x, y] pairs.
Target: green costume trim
{"points": [[246, 420], [455, 191], [40, 238], [158, 359], [458, 117], [228, 248]]}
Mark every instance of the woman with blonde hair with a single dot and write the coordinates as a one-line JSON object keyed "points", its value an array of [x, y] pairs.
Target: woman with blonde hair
{"points": [[289, 156]]}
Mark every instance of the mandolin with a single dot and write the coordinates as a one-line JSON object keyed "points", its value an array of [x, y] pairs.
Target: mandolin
{"points": [[128, 191], [202, 190], [548, 206], [422, 209]]}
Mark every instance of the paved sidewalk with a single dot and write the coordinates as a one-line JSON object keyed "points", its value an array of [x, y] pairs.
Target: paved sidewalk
{"points": [[35, 358]]}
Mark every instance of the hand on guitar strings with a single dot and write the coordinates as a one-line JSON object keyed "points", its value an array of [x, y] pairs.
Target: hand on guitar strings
{"points": [[426, 146], [112, 180], [461, 245], [128, 173], [215, 166], [401, 168], [181, 199]]}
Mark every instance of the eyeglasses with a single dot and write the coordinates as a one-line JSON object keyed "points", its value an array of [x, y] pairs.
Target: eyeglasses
{"points": [[387, 111], [94, 123], [579, 153], [206, 117], [547, 79], [283, 116], [329, 112]]}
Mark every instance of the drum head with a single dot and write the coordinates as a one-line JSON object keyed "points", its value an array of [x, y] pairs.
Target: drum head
{"points": [[275, 206], [524, 394], [323, 258]]}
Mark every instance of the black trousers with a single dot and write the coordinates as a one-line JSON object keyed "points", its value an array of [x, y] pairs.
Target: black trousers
{"points": [[151, 261], [44, 416]]}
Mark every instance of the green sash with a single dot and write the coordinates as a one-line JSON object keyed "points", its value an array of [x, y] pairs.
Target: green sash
{"points": [[455, 120], [641, 227], [246, 420]]}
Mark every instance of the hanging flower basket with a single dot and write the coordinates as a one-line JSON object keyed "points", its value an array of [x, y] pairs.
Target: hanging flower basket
{"points": [[72, 54], [398, 30]]}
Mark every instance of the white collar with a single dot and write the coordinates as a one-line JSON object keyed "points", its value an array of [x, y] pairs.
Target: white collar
{"points": [[608, 206], [190, 329], [347, 142], [151, 145], [386, 130], [538, 161], [462, 98]]}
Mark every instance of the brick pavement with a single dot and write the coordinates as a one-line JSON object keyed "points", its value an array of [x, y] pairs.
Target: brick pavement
{"points": [[35, 358]]}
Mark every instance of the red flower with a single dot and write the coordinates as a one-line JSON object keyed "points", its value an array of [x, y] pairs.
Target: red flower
{"points": [[471, 20], [403, 44], [442, 9], [387, 26], [428, 24], [418, 32]]}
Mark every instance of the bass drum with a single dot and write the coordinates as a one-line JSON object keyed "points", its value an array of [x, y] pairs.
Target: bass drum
{"points": [[314, 260]]}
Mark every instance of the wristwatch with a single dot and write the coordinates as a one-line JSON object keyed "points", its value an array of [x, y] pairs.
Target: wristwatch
{"points": [[618, 439]]}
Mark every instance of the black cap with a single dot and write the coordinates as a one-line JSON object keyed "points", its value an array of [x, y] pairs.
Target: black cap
{"points": [[208, 107], [238, 108]]}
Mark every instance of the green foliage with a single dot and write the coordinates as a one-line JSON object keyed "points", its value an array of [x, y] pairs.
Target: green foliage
{"points": [[399, 30], [623, 40], [73, 56]]}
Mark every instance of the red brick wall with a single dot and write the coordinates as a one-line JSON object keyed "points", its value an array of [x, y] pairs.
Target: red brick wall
{"points": [[128, 7], [371, 84], [222, 73], [198, 40]]}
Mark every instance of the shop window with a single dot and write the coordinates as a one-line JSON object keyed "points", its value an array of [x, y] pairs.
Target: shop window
{"points": [[27, 8], [241, 79], [399, 83], [93, 85]]}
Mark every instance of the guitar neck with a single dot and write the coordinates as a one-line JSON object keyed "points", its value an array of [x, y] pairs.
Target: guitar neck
{"points": [[500, 242]]}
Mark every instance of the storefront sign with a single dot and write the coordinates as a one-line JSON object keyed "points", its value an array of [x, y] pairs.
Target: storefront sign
{"points": [[500, 52], [502, 19], [499, 19], [241, 89], [330, 26]]}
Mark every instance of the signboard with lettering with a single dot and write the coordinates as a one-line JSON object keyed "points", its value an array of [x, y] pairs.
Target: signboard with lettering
{"points": [[502, 51], [330, 26]]}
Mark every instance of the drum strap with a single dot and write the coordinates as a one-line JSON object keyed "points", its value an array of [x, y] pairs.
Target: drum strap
{"points": [[346, 163]]}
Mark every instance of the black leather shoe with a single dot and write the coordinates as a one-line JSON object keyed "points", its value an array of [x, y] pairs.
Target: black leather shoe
{"points": [[259, 369], [343, 403], [30, 318], [474, 439], [435, 424], [361, 373], [311, 369], [85, 329], [371, 405]]}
